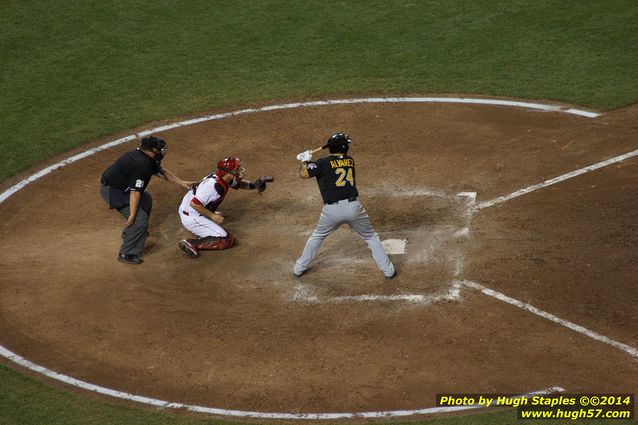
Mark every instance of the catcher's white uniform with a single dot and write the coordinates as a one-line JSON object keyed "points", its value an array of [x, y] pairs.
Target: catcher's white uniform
{"points": [[210, 193]]}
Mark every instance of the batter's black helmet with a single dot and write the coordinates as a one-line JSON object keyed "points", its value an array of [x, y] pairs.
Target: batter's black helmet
{"points": [[156, 145], [338, 143]]}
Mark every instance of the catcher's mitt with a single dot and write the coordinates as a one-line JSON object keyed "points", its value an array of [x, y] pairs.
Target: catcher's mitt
{"points": [[260, 183]]}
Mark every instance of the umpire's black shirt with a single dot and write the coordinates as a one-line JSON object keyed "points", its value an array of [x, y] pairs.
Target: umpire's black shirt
{"points": [[133, 171], [335, 177]]}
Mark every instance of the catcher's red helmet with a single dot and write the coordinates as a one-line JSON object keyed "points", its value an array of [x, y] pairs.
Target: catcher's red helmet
{"points": [[234, 166]]}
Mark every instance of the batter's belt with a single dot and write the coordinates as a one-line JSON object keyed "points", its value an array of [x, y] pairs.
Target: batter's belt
{"points": [[352, 199]]}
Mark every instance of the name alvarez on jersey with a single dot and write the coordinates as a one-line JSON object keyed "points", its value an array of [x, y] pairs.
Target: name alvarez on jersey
{"points": [[336, 163], [335, 177]]}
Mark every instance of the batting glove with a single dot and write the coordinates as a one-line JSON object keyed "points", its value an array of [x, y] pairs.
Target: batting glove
{"points": [[305, 156]]}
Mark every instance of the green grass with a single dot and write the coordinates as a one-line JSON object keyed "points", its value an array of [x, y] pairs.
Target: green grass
{"points": [[26, 401], [75, 71]]}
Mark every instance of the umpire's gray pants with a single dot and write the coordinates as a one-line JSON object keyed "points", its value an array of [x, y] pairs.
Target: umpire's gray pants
{"points": [[333, 216], [133, 236]]}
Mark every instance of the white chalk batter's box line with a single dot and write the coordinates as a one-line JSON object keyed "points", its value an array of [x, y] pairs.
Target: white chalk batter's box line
{"points": [[307, 294], [318, 416]]}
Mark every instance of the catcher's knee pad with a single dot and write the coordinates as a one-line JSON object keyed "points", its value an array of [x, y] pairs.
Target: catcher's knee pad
{"points": [[212, 243]]}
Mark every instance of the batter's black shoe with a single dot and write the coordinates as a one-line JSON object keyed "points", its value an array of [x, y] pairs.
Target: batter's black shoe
{"points": [[391, 276], [188, 248], [130, 259]]}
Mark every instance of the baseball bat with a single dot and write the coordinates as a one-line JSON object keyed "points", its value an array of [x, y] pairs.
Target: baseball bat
{"points": [[314, 151]]}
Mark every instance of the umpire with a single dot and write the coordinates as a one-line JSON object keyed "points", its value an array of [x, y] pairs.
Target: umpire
{"points": [[335, 176], [123, 187]]}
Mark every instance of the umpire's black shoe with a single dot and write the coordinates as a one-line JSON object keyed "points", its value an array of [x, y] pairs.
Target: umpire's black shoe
{"points": [[130, 259], [392, 275]]}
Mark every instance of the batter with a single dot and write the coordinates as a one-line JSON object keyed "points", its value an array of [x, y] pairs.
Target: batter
{"points": [[335, 176]]}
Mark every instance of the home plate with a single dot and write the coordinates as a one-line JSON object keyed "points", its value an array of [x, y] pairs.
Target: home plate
{"points": [[394, 246]]}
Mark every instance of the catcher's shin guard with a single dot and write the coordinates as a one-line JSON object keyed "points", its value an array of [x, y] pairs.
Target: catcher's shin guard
{"points": [[211, 243], [188, 248]]}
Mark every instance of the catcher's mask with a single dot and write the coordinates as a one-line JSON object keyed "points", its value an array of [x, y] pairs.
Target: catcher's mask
{"points": [[338, 143], [234, 166], [156, 145]]}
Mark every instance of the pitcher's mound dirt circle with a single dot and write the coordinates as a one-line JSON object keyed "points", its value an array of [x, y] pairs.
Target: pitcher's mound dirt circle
{"points": [[230, 330]]}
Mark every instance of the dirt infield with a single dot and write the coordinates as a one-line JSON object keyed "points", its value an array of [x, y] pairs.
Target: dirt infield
{"points": [[236, 330]]}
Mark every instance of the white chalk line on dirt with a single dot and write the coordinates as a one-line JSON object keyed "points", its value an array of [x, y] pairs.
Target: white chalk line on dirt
{"points": [[577, 328], [239, 413], [596, 166], [306, 294], [495, 102], [223, 412], [584, 331]]}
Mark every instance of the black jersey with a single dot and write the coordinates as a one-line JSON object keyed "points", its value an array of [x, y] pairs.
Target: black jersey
{"points": [[335, 177], [132, 171]]}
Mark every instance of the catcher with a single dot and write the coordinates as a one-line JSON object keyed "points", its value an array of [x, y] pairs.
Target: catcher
{"points": [[198, 210]]}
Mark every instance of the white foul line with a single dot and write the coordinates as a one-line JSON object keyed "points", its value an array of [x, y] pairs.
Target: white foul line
{"points": [[524, 306], [263, 415], [584, 331], [500, 199]]}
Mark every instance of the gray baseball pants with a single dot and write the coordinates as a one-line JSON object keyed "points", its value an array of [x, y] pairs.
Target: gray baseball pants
{"points": [[333, 216], [134, 236]]}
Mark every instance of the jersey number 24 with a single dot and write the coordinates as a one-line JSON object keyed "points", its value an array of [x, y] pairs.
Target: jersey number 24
{"points": [[344, 176]]}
